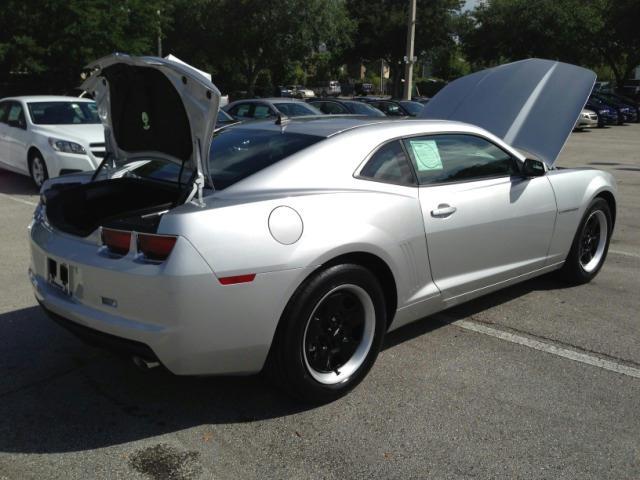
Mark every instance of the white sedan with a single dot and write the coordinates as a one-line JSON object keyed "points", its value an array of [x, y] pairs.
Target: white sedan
{"points": [[48, 136]]}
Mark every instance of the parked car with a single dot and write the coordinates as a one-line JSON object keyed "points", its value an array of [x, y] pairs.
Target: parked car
{"points": [[395, 108], [330, 88], [345, 107], [299, 91], [629, 108], [224, 119], [606, 115], [46, 136], [294, 247], [421, 99], [587, 119], [259, 108], [623, 111], [624, 99], [363, 89]]}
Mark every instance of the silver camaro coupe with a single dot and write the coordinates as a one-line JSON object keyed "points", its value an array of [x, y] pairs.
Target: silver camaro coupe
{"points": [[292, 246]]}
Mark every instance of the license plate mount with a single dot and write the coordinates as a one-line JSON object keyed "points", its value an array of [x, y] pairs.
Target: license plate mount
{"points": [[59, 275]]}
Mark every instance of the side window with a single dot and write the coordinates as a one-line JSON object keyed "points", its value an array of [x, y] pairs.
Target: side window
{"points": [[4, 110], [262, 111], [241, 110], [454, 158], [15, 118], [390, 109], [389, 164]]}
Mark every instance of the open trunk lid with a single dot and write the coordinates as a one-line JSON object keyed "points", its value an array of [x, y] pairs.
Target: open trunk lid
{"points": [[532, 104], [154, 108]]}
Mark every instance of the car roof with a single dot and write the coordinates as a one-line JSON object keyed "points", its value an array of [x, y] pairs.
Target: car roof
{"points": [[48, 98], [331, 125], [269, 100]]}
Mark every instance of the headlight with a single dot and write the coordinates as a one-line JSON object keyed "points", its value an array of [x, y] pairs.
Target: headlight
{"points": [[66, 146], [603, 112]]}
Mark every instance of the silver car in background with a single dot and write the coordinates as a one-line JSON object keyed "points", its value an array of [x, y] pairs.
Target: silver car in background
{"points": [[587, 119], [293, 245]]}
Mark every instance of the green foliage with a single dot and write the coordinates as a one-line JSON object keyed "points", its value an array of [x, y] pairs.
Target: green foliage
{"points": [[382, 30], [238, 39], [589, 33], [58, 37]]}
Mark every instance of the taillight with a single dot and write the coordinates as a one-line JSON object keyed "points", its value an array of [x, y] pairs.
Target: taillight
{"points": [[156, 247], [117, 241]]}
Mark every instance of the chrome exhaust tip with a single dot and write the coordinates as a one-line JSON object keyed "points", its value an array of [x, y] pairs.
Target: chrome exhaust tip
{"points": [[144, 364]]}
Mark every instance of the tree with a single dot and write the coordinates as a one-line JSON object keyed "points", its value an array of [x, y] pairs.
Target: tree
{"points": [[589, 33], [382, 30], [239, 39], [52, 40]]}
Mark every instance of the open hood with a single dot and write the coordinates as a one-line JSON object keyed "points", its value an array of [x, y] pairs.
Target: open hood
{"points": [[155, 107], [532, 104]]}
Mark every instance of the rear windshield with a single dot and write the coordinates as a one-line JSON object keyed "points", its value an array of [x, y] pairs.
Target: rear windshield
{"points": [[237, 153], [63, 113]]}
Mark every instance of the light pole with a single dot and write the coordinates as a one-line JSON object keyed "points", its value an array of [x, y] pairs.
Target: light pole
{"points": [[409, 58], [159, 34]]}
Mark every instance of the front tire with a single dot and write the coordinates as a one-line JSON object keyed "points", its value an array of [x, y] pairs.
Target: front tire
{"points": [[330, 334], [38, 169], [590, 244]]}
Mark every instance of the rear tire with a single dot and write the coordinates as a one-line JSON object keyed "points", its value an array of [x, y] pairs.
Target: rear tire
{"points": [[38, 169], [330, 334], [590, 244]]}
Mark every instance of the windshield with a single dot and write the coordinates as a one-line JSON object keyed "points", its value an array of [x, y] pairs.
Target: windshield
{"points": [[63, 113], [237, 153], [414, 108], [360, 108], [296, 109]]}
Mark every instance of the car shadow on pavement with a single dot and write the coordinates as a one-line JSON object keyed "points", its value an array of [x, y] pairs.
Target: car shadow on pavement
{"points": [[59, 395], [14, 184]]}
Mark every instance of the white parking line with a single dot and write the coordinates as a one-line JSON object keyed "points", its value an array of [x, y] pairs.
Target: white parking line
{"points": [[628, 254], [549, 348], [19, 200]]}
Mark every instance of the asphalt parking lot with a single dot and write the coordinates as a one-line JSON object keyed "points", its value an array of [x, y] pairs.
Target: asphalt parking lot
{"points": [[539, 380]]}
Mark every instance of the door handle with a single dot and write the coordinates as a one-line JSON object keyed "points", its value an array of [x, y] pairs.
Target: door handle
{"points": [[443, 210]]}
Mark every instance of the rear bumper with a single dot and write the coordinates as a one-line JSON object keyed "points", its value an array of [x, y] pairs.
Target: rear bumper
{"points": [[177, 310], [103, 340]]}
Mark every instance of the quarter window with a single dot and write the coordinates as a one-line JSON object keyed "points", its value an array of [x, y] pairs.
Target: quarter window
{"points": [[389, 164], [454, 158], [15, 117]]}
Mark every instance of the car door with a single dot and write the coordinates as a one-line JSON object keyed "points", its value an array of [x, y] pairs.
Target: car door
{"points": [[4, 131], [485, 223], [17, 137]]}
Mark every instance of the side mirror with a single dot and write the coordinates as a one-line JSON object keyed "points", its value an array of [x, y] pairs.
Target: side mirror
{"points": [[533, 168]]}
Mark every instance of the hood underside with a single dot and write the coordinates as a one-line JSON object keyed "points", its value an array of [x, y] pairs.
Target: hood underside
{"points": [[154, 107], [532, 104]]}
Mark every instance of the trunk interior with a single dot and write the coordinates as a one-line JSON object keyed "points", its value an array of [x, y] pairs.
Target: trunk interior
{"points": [[123, 203]]}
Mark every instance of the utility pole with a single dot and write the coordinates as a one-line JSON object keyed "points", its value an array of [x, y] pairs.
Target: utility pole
{"points": [[159, 34], [409, 59]]}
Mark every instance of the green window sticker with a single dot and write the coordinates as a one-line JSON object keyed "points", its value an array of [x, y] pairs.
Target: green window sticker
{"points": [[426, 154]]}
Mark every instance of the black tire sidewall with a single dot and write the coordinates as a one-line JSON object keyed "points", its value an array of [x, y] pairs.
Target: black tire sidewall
{"points": [[290, 337], [572, 268]]}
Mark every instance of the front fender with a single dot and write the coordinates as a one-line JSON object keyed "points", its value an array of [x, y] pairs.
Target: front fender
{"points": [[574, 189]]}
